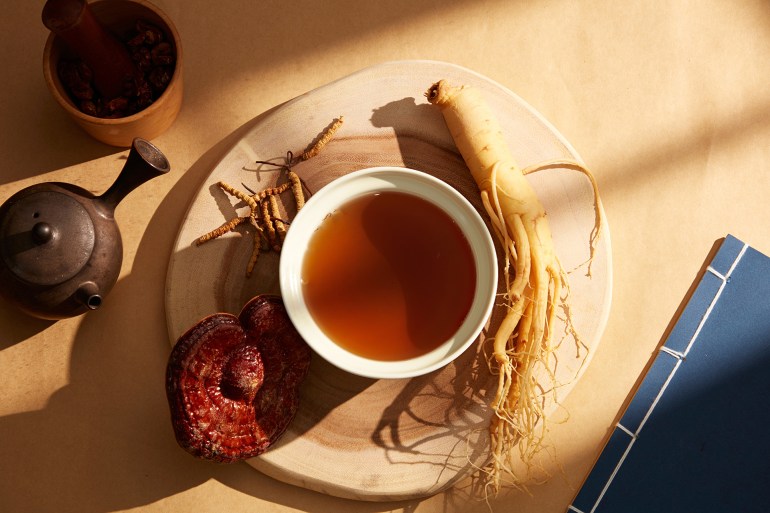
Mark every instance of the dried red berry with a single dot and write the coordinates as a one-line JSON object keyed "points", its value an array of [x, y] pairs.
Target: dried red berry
{"points": [[116, 107], [150, 34], [144, 95], [89, 108], [77, 77], [154, 59], [142, 57], [162, 54], [82, 91], [233, 382], [159, 78]]}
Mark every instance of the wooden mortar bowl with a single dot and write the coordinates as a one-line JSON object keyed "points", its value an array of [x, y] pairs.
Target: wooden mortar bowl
{"points": [[119, 16]]}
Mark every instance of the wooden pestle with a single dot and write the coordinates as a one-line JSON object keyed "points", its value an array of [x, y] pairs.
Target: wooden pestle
{"points": [[109, 60]]}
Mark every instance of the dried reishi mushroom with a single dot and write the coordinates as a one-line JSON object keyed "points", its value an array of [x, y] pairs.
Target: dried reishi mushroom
{"points": [[233, 382]]}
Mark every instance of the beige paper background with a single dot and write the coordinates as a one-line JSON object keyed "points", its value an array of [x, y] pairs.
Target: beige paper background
{"points": [[667, 102]]}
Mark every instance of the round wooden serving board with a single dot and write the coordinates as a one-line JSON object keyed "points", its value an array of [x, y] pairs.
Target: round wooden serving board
{"points": [[384, 439]]}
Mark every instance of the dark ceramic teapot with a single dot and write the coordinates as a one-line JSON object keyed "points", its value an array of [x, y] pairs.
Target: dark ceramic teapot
{"points": [[60, 247]]}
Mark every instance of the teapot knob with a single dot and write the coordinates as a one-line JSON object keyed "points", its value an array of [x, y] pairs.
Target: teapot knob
{"points": [[42, 232]]}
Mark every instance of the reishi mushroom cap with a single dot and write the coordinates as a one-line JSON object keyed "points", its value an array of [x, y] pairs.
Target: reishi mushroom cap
{"points": [[233, 383]]}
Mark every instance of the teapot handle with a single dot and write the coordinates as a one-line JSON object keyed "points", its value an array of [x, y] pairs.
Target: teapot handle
{"points": [[145, 162]]}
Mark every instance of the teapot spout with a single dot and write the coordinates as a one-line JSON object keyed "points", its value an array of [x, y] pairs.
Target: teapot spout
{"points": [[145, 162], [88, 294]]}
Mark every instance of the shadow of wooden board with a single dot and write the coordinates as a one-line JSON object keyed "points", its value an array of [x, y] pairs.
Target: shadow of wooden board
{"points": [[382, 440]]}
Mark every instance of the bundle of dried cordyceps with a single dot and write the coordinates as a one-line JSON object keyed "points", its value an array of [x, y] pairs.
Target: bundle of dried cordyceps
{"points": [[264, 217]]}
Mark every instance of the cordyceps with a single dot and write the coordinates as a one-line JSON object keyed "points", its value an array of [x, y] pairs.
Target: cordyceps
{"points": [[536, 284], [264, 216]]}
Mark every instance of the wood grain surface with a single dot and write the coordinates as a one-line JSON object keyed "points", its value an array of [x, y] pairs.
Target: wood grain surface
{"points": [[384, 439]]}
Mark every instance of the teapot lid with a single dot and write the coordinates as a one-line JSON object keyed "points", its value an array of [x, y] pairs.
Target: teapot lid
{"points": [[46, 237]]}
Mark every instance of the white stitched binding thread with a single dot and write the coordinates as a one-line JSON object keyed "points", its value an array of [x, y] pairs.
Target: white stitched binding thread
{"points": [[680, 358], [660, 394], [635, 435], [716, 273], [625, 430], [722, 285], [573, 508], [614, 473], [675, 354]]}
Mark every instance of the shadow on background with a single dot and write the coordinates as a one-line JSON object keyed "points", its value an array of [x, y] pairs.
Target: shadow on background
{"points": [[18, 326], [106, 436], [108, 430], [259, 36]]}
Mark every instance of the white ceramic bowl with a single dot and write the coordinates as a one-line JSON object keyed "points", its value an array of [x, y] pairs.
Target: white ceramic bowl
{"points": [[368, 181]]}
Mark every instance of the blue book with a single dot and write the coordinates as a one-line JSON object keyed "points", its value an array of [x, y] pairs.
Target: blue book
{"points": [[695, 436]]}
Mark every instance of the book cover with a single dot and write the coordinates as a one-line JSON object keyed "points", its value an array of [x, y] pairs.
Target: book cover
{"points": [[694, 437]]}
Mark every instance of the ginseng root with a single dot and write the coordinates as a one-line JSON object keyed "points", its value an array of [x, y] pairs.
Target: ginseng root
{"points": [[536, 284]]}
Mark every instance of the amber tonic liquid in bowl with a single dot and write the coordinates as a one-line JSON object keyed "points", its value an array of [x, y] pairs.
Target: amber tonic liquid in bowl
{"points": [[389, 276]]}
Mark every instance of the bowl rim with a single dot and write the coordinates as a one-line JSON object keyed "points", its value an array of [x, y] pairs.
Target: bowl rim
{"points": [[69, 106], [366, 181]]}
